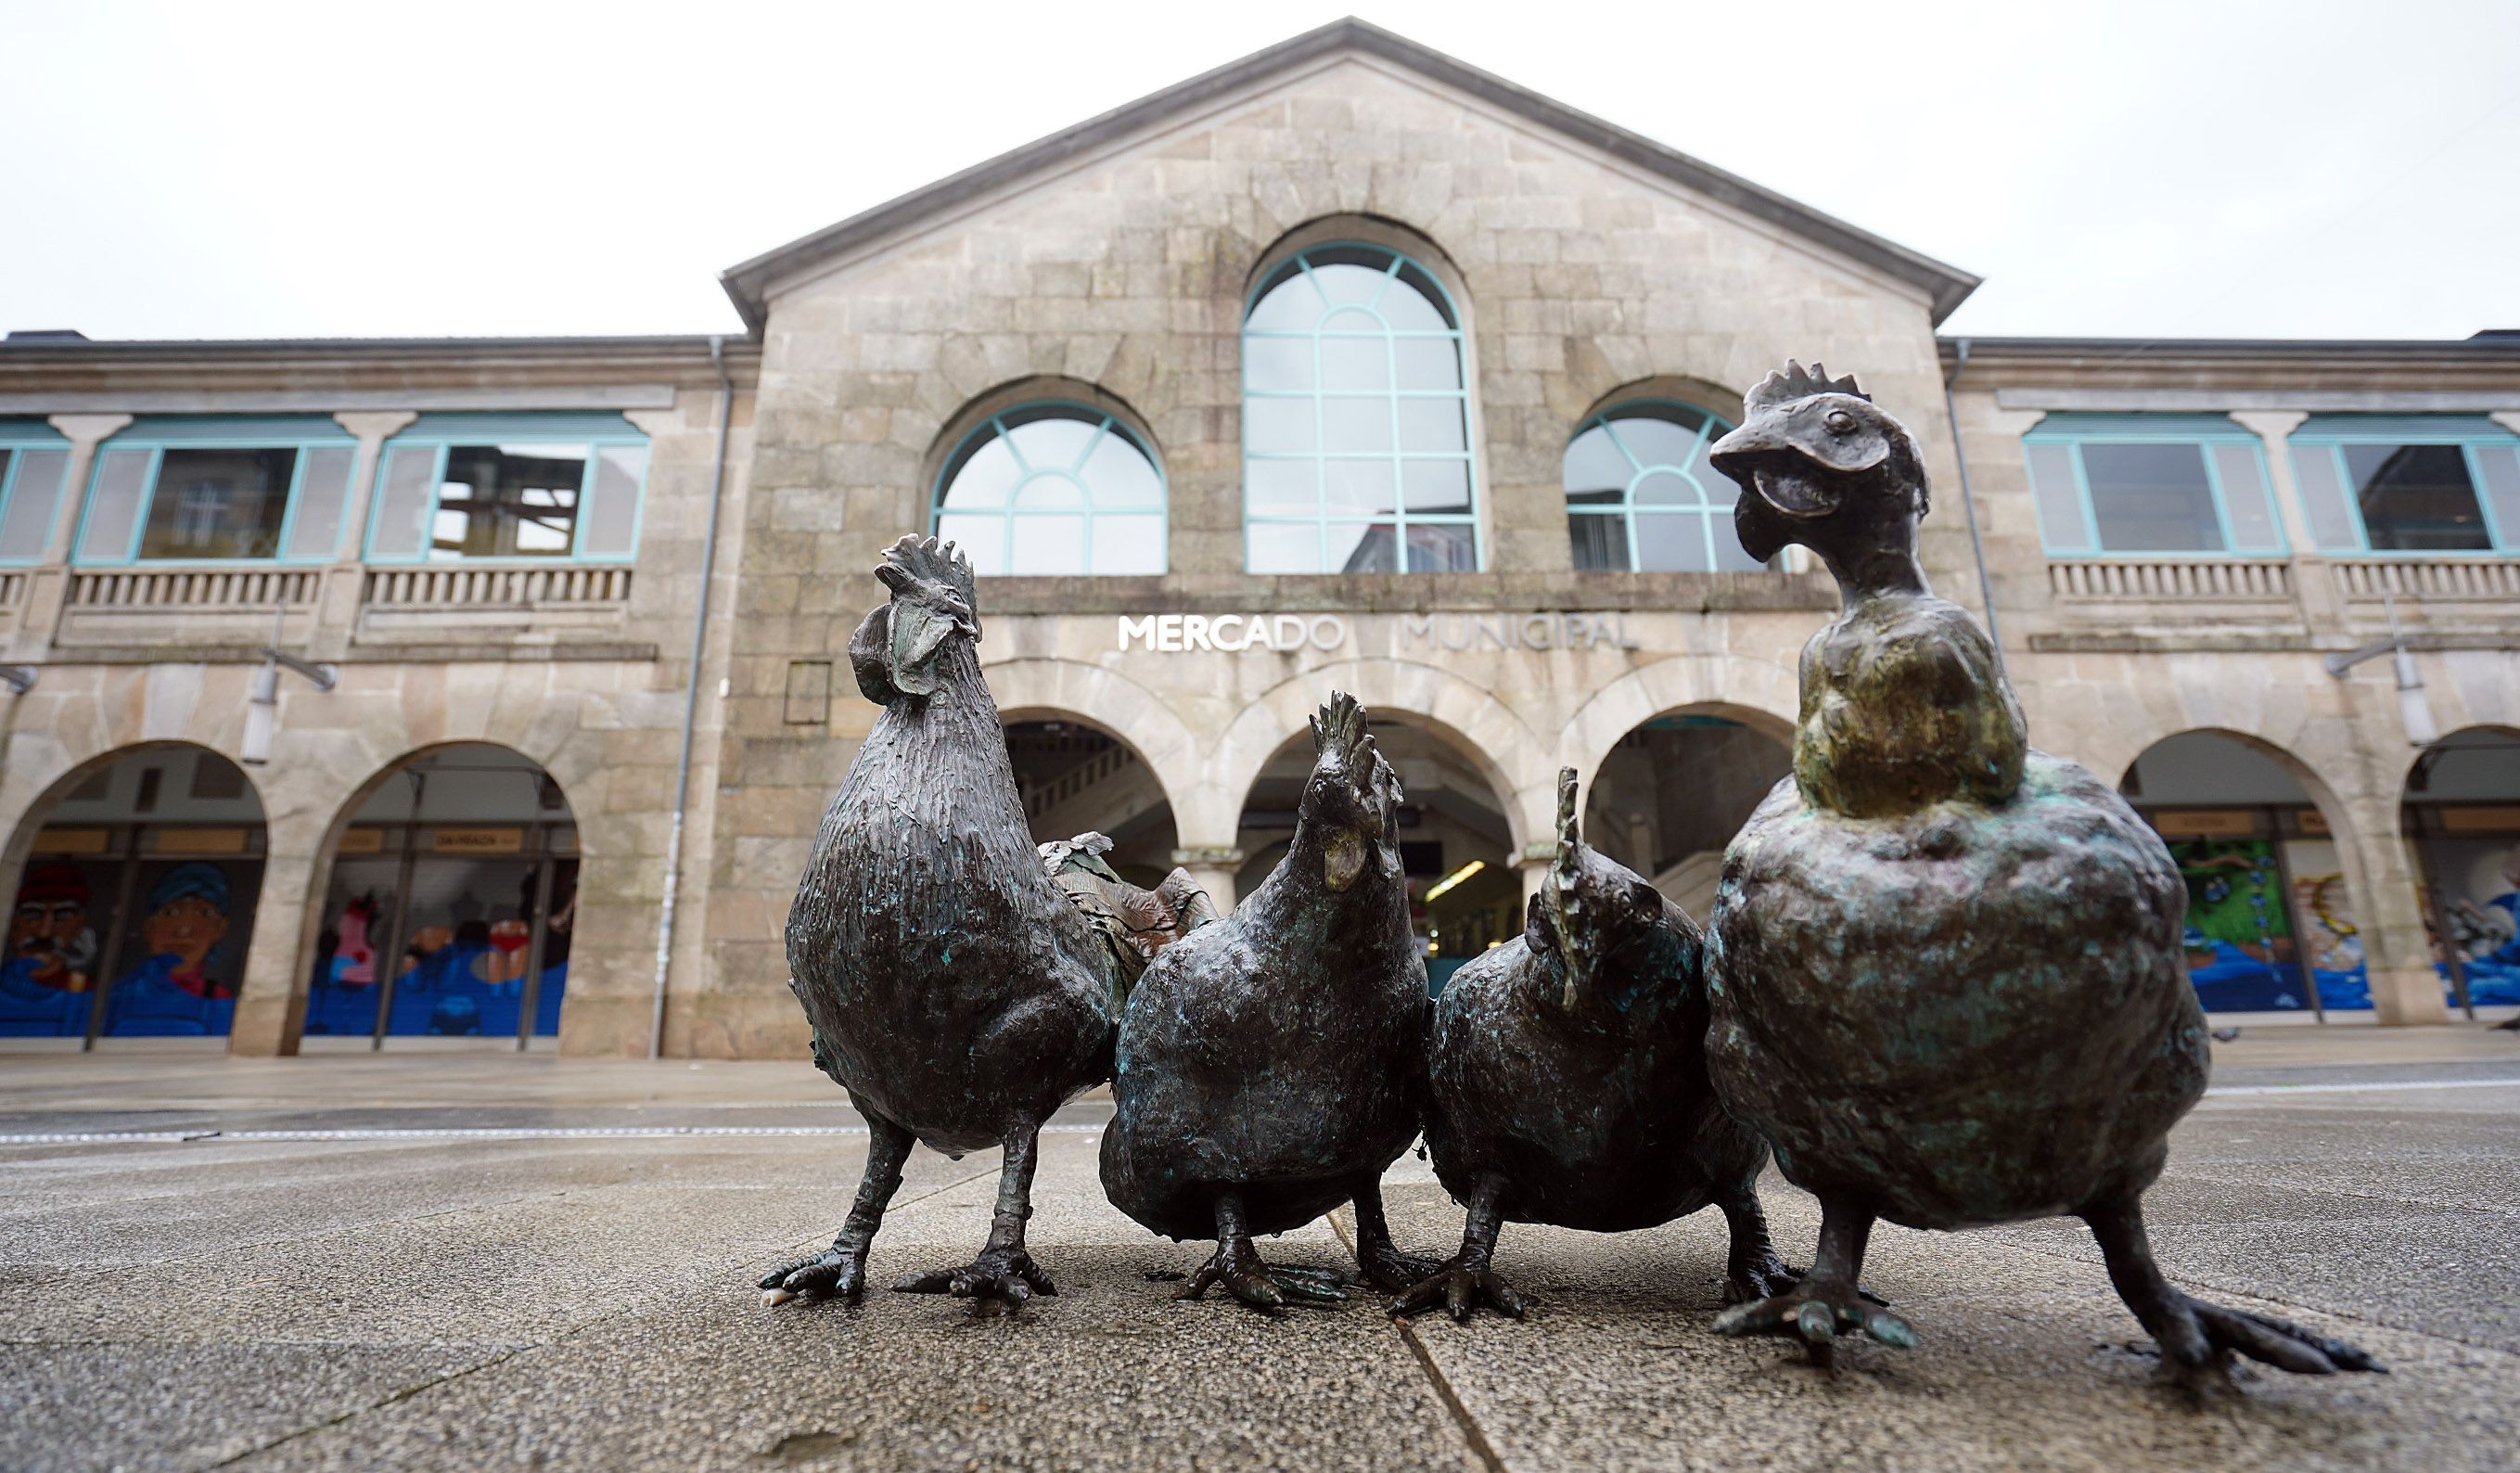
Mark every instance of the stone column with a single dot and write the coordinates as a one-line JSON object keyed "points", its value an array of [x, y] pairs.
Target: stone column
{"points": [[2314, 589], [2397, 949], [337, 607], [271, 1004], [48, 582], [1214, 869]]}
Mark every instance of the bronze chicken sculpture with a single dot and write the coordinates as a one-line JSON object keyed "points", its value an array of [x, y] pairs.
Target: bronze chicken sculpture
{"points": [[1569, 1083], [956, 990], [1947, 975], [1273, 1063]]}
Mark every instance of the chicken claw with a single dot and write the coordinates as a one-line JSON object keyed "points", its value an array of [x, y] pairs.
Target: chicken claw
{"points": [[1459, 1289], [1818, 1312], [1006, 1276], [833, 1271], [1237, 1265]]}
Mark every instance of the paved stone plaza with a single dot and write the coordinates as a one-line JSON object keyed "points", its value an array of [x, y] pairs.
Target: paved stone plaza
{"points": [[569, 1294]]}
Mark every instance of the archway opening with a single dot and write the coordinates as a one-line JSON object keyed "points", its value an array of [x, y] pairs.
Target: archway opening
{"points": [[2462, 818], [1456, 845], [1076, 777], [2270, 921], [137, 901], [451, 904], [1670, 796]]}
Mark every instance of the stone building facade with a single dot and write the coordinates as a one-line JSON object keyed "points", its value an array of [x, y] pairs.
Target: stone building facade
{"points": [[1113, 278]]}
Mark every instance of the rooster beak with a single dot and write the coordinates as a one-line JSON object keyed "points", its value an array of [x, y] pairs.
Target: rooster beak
{"points": [[1779, 490]]}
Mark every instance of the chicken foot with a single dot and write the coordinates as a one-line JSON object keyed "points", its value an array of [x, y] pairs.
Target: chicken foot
{"points": [[841, 1267], [1237, 1265], [1466, 1280], [1829, 1300], [1376, 1252], [1004, 1273], [2197, 1339]]}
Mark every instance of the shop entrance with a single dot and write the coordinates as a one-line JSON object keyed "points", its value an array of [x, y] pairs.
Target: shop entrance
{"points": [[450, 906], [1671, 795], [2270, 925], [2462, 819], [137, 901]]}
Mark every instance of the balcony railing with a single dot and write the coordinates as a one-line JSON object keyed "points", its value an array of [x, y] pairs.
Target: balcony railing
{"points": [[2171, 580], [2481, 579], [457, 589], [200, 590]]}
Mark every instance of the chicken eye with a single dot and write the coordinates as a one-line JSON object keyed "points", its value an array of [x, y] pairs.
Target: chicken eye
{"points": [[1839, 421]]}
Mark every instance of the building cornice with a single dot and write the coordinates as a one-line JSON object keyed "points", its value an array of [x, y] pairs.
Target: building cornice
{"points": [[750, 284]]}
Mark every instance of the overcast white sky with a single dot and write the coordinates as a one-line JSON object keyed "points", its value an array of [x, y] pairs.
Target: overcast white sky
{"points": [[236, 169]]}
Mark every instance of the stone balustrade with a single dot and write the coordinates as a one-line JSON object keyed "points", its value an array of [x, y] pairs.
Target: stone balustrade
{"points": [[193, 589], [2462, 579], [458, 587], [2167, 580]]}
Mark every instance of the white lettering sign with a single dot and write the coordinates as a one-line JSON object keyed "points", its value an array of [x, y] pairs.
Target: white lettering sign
{"points": [[1286, 634]]}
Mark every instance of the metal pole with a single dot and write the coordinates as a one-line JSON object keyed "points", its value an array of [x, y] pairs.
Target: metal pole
{"points": [[691, 704], [1968, 505]]}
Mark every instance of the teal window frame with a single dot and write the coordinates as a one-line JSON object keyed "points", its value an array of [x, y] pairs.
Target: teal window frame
{"points": [[157, 436], [1399, 517], [21, 435], [1707, 511], [2331, 433], [2204, 432], [1104, 423], [595, 431]]}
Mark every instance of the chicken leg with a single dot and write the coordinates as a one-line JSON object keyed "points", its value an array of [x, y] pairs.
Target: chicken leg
{"points": [[1237, 1265], [2197, 1338], [1828, 1299], [1466, 1280], [1004, 1273], [840, 1269], [1752, 1270]]}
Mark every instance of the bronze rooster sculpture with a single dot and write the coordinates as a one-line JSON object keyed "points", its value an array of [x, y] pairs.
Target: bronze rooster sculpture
{"points": [[1569, 1083], [1272, 1063], [956, 990], [1946, 974]]}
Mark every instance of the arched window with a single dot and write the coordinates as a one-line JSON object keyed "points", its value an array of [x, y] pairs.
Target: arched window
{"points": [[1054, 489], [1355, 446], [1640, 497]]}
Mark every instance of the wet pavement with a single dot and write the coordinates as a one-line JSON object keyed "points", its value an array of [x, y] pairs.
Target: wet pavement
{"points": [[480, 1261]]}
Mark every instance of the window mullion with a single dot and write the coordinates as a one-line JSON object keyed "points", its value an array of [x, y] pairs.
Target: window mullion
{"points": [[2083, 494]]}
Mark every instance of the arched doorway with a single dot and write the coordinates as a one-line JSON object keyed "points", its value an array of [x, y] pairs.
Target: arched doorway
{"points": [[1077, 779], [450, 904], [1454, 843], [1670, 796], [2462, 818], [2271, 916], [137, 900]]}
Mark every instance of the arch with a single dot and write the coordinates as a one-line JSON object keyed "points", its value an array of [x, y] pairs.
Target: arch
{"points": [[1496, 740], [1359, 428], [138, 919], [1641, 496], [2271, 782], [990, 454], [1762, 694], [1668, 797], [1049, 690], [454, 914]]}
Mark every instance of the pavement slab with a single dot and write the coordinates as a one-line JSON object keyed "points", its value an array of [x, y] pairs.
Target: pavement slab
{"points": [[428, 1299]]}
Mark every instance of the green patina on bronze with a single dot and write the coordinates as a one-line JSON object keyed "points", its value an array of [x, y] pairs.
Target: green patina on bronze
{"points": [[1947, 976]]}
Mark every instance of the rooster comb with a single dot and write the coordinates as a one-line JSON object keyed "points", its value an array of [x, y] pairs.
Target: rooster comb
{"points": [[1794, 382], [1340, 726], [925, 559]]}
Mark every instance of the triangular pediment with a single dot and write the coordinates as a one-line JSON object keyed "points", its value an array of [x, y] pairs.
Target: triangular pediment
{"points": [[751, 284]]}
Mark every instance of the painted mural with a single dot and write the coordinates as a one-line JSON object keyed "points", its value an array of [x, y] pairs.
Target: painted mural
{"points": [[182, 954], [2240, 939], [2480, 904], [48, 980], [460, 969], [2330, 943]]}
